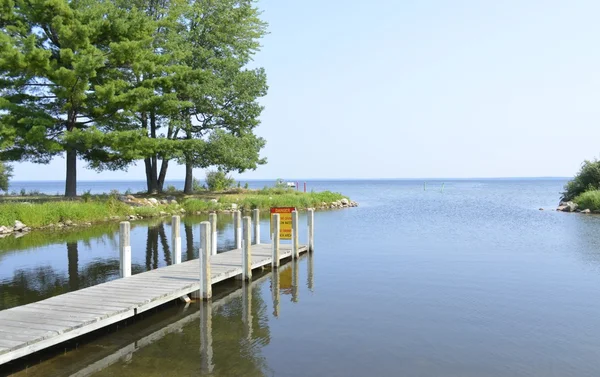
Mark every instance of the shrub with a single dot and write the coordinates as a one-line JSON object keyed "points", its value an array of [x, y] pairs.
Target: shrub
{"points": [[5, 175], [219, 181], [589, 200], [171, 189], [196, 186], [587, 179], [87, 196]]}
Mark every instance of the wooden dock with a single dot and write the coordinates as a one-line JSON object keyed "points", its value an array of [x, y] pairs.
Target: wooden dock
{"points": [[30, 328]]}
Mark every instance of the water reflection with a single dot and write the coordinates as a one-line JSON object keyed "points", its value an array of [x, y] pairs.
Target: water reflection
{"points": [[35, 267]]}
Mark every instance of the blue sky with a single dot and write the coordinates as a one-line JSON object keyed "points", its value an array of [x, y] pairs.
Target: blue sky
{"points": [[403, 89]]}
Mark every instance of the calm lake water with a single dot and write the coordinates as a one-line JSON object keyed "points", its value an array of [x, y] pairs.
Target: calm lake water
{"points": [[471, 281]]}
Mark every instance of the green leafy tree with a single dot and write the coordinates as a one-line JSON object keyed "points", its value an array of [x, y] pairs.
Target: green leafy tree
{"points": [[5, 175], [588, 178]]}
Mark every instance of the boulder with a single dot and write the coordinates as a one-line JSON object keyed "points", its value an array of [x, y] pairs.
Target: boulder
{"points": [[587, 210], [561, 208], [18, 226], [162, 213], [345, 202], [571, 207], [130, 197], [541, 209], [68, 223], [214, 201], [164, 201], [234, 206], [5, 230], [182, 210], [153, 201], [132, 217]]}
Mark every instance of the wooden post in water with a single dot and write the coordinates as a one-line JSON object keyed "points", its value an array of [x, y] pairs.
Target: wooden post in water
{"points": [[125, 249], [212, 218], [295, 273], [204, 257], [295, 253], [256, 219], [311, 229], [246, 256], [176, 239], [311, 272], [237, 228], [275, 262]]}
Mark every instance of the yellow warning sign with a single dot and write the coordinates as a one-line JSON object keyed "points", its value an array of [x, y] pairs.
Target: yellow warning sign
{"points": [[285, 221]]}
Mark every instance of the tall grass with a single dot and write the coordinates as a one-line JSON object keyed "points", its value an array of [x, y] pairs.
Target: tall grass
{"points": [[264, 199], [589, 200]]}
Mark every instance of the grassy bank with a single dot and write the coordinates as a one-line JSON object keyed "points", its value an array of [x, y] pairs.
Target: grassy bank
{"points": [[106, 208], [589, 200]]}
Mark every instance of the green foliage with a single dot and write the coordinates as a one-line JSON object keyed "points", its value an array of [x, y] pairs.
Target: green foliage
{"points": [[587, 179], [219, 181], [280, 184], [171, 189], [589, 200], [87, 196], [5, 175], [265, 199], [246, 186], [197, 186]]}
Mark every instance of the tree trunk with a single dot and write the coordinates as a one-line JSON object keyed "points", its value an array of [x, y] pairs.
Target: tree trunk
{"points": [[163, 174], [154, 170], [189, 241], [151, 185], [189, 178], [188, 187], [71, 183]]}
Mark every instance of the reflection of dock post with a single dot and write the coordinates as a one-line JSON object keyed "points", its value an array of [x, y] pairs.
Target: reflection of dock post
{"points": [[204, 257], [275, 289], [311, 229], [176, 239], [295, 267], [246, 256], [212, 218], [237, 228], [275, 262], [125, 249], [247, 309], [295, 252], [256, 219], [311, 272], [206, 349]]}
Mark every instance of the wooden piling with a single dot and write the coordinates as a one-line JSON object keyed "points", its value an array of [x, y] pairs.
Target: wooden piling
{"points": [[256, 220], [204, 257], [206, 339], [275, 262], [311, 229], [237, 228], [125, 249], [246, 255], [176, 239], [212, 218], [295, 252], [275, 287]]}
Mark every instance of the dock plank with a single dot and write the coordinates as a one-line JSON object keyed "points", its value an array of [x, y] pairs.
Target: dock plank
{"points": [[30, 328]]}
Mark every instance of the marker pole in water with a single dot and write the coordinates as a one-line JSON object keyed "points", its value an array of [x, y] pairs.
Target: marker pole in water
{"points": [[275, 237], [204, 257], [256, 219], [311, 229], [246, 256], [125, 249], [237, 228], [295, 253], [176, 239], [443, 183], [212, 218]]}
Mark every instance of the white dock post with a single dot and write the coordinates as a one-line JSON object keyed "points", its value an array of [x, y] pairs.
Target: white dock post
{"points": [[176, 239], [246, 256], [237, 228], [311, 229], [204, 257], [212, 218], [295, 252], [256, 219], [125, 249], [275, 262]]}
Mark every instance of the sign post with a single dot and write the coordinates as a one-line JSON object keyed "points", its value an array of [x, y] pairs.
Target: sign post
{"points": [[285, 221]]}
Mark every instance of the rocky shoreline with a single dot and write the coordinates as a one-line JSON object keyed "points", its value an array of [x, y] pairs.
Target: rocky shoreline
{"points": [[19, 229], [573, 207]]}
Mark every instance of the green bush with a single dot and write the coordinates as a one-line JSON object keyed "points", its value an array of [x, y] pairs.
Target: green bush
{"points": [[171, 189], [589, 200], [196, 186], [219, 181], [5, 175], [587, 179]]}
